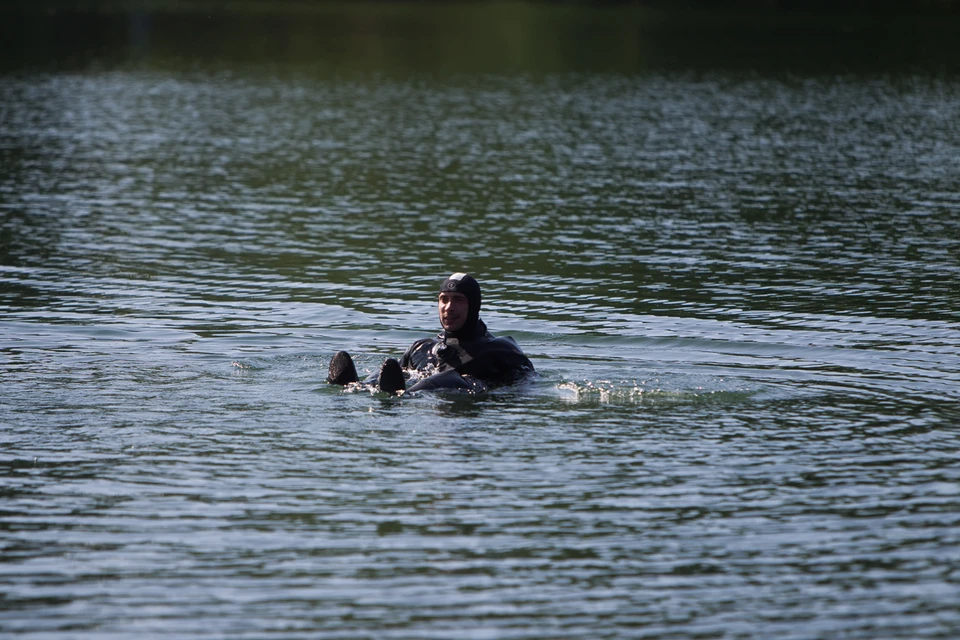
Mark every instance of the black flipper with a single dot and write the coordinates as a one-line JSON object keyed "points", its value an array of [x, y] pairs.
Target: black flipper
{"points": [[391, 378], [342, 371]]}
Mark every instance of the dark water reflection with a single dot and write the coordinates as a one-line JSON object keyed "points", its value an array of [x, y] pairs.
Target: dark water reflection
{"points": [[738, 284]]}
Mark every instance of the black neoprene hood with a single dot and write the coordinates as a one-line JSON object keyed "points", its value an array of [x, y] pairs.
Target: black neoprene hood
{"points": [[467, 285]]}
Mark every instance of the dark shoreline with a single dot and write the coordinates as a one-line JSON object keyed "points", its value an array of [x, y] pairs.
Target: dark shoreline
{"points": [[484, 37]]}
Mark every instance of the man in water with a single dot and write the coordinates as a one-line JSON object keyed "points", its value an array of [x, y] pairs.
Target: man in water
{"points": [[463, 356]]}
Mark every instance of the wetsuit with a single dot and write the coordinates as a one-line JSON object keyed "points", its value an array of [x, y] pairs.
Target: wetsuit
{"points": [[476, 354]]}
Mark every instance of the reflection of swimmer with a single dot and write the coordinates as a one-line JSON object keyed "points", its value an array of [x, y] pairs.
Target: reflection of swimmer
{"points": [[463, 356]]}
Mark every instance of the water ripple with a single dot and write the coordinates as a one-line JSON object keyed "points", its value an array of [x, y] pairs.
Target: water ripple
{"points": [[739, 292]]}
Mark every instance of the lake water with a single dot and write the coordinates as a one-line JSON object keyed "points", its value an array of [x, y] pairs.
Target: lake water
{"points": [[736, 272]]}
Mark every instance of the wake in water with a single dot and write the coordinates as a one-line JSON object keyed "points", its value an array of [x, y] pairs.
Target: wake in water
{"points": [[627, 392]]}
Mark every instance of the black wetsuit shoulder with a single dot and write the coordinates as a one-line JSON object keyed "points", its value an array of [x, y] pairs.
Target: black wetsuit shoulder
{"points": [[417, 355]]}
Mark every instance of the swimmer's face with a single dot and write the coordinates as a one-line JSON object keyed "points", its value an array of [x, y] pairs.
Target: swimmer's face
{"points": [[453, 308]]}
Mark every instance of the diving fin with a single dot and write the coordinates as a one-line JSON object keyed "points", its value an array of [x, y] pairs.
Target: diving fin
{"points": [[342, 371], [391, 378]]}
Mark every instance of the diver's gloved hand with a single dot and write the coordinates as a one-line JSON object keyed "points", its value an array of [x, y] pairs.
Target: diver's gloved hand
{"points": [[448, 354]]}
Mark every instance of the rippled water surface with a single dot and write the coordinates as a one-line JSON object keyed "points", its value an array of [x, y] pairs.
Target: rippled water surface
{"points": [[739, 288]]}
